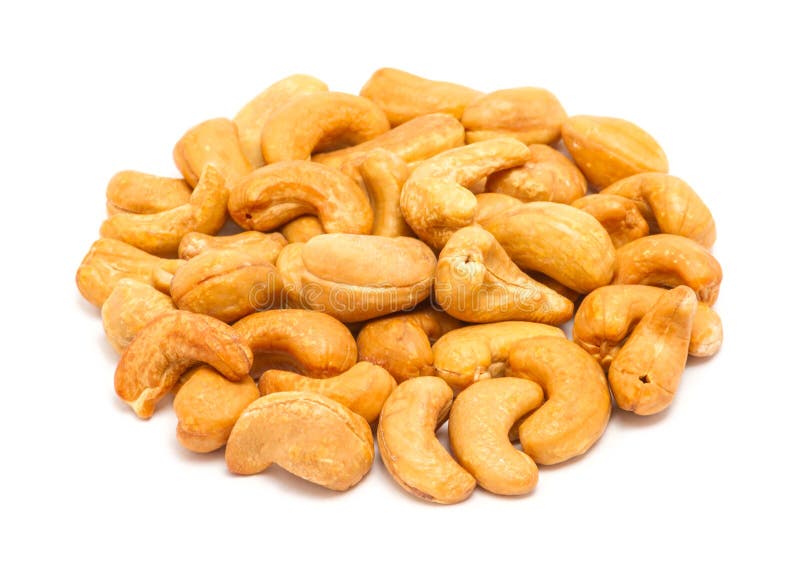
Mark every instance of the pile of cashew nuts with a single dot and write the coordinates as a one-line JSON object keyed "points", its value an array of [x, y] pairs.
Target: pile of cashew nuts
{"points": [[404, 258]]}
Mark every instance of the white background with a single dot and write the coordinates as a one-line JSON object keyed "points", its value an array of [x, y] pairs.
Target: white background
{"points": [[88, 90]]}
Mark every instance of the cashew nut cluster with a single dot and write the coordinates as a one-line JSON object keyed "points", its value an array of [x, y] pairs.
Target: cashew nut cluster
{"points": [[400, 261]]}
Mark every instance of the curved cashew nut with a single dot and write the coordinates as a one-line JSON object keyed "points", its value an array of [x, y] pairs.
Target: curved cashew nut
{"points": [[347, 276], [166, 347], [130, 307], [416, 140], [529, 114], [565, 243], [384, 174], [408, 445], [548, 175], [608, 315], [318, 122], [477, 352], [302, 229], [669, 203], [493, 204], [619, 216], [309, 435], [142, 193], [251, 118], [403, 96], [314, 344], [402, 343], [277, 193], [479, 425], [668, 260], [435, 200], [267, 246], [578, 403], [477, 282], [161, 233], [109, 261], [208, 405], [214, 142], [362, 389], [645, 375]]}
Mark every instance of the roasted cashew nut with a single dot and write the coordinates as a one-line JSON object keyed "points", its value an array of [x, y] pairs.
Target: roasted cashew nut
{"points": [[479, 425], [408, 445], [309, 435], [302, 229], [383, 175], [619, 216], [166, 347], [214, 142], [578, 403], [142, 193], [130, 307], [493, 204], [267, 246]]}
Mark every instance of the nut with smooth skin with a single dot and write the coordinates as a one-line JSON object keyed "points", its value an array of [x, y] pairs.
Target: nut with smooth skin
{"points": [[267, 246], [302, 229], [619, 216], [129, 308], [383, 175], [214, 142], [142, 193]]}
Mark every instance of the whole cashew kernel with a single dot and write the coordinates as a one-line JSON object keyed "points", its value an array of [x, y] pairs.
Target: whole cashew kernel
{"points": [[136, 192], [267, 246], [408, 445], [384, 174], [401, 343], [608, 315], [668, 260], [319, 122], [670, 204], [347, 275], [161, 233], [493, 204], [529, 114], [166, 347], [619, 216], [131, 305], [302, 229], [478, 352], [207, 406], [477, 282], [309, 435], [314, 344], [251, 118], [362, 389], [275, 194], [548, 175], [645, 375], [479, 425], [578, 403], [214, 142], [565, 243], [435, 200]]}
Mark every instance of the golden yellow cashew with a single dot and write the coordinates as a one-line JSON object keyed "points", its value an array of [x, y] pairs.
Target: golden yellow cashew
{"points": [[578, 403], [479, 425], [619, 216], [493, 204], [136, 192], [267, 246], [668, 260], [207, 405], [435, 200], [161, 233], [302, 229], [383, 175], [645, 375], [251, 118], [319, 122], [529, 114], [403, 96], [309, 435], [408, 445], [362, 389], [214, 142], [130, 307], [166, 347], [276, 194], [477, 282], [609, 149], [478, 352]]}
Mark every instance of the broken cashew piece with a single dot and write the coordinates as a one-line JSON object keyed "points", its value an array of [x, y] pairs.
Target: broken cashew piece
{"points": [[214, 142], [142, 193], [408, 445], [479, 425], [578, 403], [130, 307], [477, 282], [646, 373], [166, 347], [619, 216], [362, 389], [307, 434], [267, 246]]}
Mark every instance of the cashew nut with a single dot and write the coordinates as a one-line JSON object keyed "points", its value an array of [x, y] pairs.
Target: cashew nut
{"points": [[167, 346], [477, 282], [384, 174], [619, 216], [408, 445], [493, 204], [267, 246], [479, 425], [309, 435], [302, 229], [136, 192], [578, 403], [129, 308], [215, 142]]}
